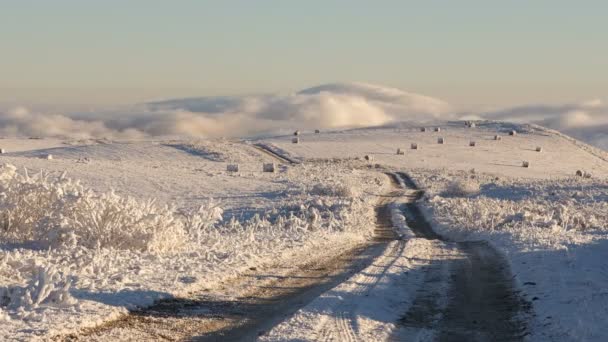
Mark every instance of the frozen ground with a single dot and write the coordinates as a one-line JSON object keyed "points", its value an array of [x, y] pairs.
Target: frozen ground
{"points": [[52, 283], [553, 232], [561, 157], [549, 224]]}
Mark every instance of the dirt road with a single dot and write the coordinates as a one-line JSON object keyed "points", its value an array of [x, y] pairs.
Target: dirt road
{"points": [[460, 291], [468, 298]]}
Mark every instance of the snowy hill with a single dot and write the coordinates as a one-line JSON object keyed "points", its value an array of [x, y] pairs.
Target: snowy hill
{"points": [[549, 223]]}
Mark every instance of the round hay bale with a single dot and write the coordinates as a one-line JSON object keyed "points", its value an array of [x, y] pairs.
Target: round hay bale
{"points": [[269, 167]]}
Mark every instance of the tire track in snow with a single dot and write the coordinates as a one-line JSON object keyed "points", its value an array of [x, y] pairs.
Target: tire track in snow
{"points": [[482, 303], [279, 157], [264, 297], [344, 324]]}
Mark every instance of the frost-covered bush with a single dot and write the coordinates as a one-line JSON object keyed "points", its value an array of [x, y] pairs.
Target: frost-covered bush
{"points": [[461, 188], [61, 212], [47, 286], [502, 205], [335, 189]]}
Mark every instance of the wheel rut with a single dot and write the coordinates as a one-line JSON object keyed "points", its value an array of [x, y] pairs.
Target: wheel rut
{"points": [[251, 304], [470, 297]]}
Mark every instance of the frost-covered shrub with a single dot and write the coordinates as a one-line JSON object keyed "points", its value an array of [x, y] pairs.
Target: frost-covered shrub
{"points": [[61, 212], [333, 189], [47, 286], [461, 188], [503, 205], [199, 223]]}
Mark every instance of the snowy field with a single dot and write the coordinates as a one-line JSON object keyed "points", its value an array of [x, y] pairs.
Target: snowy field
{"points": [[554, 232], [550, 223], [107, 226], [110, 226]]}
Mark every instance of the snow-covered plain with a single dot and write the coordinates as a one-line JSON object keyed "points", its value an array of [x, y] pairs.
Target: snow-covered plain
{"points": [[88, 254], [550, 224], [555, 232]]}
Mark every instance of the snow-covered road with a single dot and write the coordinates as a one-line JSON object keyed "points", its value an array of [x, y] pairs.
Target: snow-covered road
{"points": [[421, 288]]}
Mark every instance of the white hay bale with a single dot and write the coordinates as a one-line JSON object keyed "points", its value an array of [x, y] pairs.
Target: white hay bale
{"points": [[49, 157], [539, 149], [232, 168], [317, 131], [368, 157], [269, 167], [525, 164], [440, 141], [437, 129], [295, 140], [296, 133], [472, 143], [497, 137], [513, 133], [400, 151], [584, 174], [414, 146], [2, 151], [422, 129]]}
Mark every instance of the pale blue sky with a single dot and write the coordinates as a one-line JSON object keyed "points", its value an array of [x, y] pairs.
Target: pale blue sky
{"points": [[468, 52]]}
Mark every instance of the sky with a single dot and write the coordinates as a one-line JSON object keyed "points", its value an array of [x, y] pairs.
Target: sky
{"points": [[470, 53]]}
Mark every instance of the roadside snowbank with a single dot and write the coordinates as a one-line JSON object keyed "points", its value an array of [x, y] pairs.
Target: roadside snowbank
{"points": [[554, 232]]}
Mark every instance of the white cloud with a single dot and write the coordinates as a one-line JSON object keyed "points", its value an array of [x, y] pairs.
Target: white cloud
{"points": [[328, 106], [586, 121]]}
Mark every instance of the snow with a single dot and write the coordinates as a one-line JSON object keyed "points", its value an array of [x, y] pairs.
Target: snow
{"points": [[367, 306], [502, 157], [554, 232], [550, 225], [50, 288]]}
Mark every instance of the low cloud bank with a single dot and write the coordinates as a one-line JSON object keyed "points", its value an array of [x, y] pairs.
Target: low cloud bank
{"points": [[340, 105], [587, 121], [328, 106]]}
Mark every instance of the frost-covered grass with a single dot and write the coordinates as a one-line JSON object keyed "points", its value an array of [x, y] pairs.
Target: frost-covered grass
{"points": [[57, 211], [72, 257], [555, 233], [461, 188]]}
